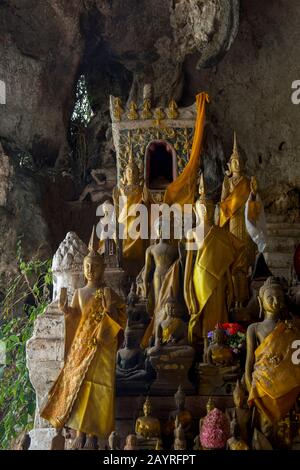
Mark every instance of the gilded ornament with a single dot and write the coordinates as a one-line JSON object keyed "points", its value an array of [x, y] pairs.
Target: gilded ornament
{"points": [[146, 111], [133, 114], [117, 109], [172, 111]]}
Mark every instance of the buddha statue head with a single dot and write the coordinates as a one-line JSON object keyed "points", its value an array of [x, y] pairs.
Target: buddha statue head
{"points": [[131, 442], [131, 339], [93, 263], [219, 336], [204, 207], [239, 395], [210, 405], [147, 407], [132, 174], [235, 164], [180, 398], [170, 308], [271, 298]]}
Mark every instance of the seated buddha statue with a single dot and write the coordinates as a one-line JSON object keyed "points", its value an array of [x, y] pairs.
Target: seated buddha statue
{"points": [[219, 372], [236, 442], [183, 416], [272, 378], [131, 370], [147, 428], [218, 352], [171, 356]]}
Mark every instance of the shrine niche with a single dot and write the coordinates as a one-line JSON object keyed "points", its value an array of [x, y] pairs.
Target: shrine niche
{"points": [[160, 165]]}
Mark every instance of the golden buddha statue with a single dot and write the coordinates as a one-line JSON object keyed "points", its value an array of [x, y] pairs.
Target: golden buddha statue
{"points": [[128, 194], [272, 379], [241, 412], [214, 256], [235, 193], [146, 426], [179, 435], [95, 317], [218, 352]]}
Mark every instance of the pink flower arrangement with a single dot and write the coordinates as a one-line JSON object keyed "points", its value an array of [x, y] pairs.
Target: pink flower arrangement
{"points": [[215, 430]]}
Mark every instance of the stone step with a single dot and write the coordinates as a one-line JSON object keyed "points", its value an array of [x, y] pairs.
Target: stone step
{"points": [[281, 244], [279, 260], [284, 230]]}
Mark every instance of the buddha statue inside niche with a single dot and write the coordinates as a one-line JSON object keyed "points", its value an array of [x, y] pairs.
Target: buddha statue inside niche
{"points": [[171, 356], [147, 428]]}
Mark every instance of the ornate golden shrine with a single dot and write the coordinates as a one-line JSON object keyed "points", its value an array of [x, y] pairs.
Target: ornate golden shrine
{"points": [[160, 139]]}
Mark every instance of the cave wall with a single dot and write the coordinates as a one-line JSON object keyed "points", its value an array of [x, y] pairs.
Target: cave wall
{"points": [[245, 56], [251, 91]]}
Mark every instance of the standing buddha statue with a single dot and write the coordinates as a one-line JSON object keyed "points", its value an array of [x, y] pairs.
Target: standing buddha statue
{"points": [[87, 380], [214, 256], [126, 195], [237, 192]]}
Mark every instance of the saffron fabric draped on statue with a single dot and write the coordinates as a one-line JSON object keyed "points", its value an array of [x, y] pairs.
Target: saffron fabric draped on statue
{"points": [[182, 190], [83, 396], [275, 379], [208, 286]]}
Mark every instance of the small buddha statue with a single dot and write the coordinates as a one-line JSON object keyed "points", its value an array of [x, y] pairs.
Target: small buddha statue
{"points": [[147, 427], [235, 442], [171, 357], [179, 435], [241, 412], [131, 442], [159, 445], [183, 416], [114, 441], [219, 373], [218, 352], [158, 260], [210, 405], [130, 368]]}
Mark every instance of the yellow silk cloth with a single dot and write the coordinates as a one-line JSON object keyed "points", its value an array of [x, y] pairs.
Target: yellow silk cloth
{"points": [[183, 188], [208, 285], [234, 201], [83, 396], [275, 379], [133, 250], [170, 287]]}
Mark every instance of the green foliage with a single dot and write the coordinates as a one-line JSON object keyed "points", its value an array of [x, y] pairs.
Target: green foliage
{"points": [[17, 397], [82, 112]]}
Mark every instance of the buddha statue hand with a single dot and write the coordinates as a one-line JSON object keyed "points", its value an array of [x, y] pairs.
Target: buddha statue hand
{"points": [[63, 300]]}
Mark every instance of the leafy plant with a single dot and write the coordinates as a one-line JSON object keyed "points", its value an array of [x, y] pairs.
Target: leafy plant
{"points": [[17, 396]]}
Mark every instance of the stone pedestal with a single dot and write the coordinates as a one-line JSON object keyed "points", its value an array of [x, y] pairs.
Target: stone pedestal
{"points": [[45, 359], [171, 374], [217, 380]]}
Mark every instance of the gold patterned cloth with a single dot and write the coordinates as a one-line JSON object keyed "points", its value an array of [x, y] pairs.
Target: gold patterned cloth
{"points": [[275, 379], [208, 286], [83, 396]]}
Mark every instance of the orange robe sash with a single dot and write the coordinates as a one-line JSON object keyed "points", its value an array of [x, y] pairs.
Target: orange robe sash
{"points": [[238, 197]]}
